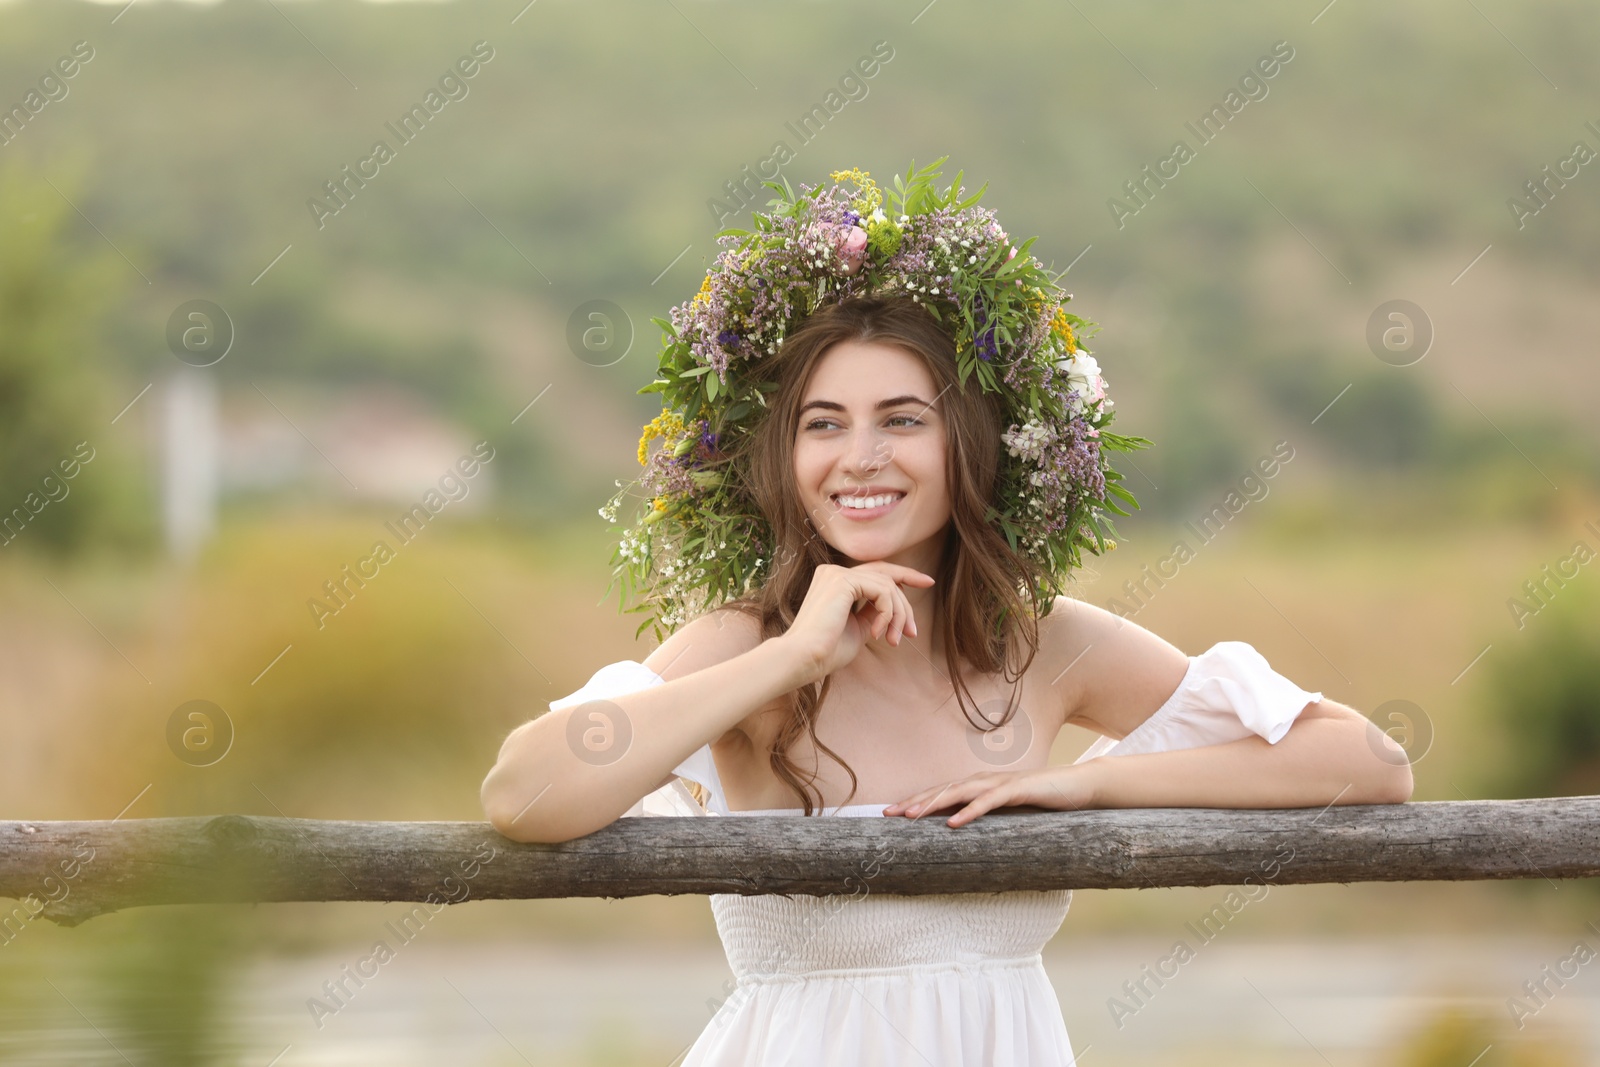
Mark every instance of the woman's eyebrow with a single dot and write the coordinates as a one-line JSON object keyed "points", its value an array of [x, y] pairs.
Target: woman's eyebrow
{"points": [[892, 402]]}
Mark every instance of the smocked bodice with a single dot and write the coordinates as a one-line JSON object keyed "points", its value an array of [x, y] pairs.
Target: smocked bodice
{"points": [[774, 936]]}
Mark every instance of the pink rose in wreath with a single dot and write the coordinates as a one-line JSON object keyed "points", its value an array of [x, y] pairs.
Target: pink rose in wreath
{"points": [[850, 242]]}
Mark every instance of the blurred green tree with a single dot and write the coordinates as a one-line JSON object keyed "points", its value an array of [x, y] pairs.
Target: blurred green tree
{"points": [[54, 298], [1543, 687]]}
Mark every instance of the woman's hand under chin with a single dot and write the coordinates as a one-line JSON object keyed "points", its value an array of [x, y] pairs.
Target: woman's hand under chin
{"points": [[1059, 788], [847, 606]]}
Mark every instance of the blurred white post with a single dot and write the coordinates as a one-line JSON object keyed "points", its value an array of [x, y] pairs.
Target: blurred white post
{"points": [[189, 460]]}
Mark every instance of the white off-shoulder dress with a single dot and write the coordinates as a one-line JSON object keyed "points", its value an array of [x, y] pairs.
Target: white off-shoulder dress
{"points": [[943, 980]]}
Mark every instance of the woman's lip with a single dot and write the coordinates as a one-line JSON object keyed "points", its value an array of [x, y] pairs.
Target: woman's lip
{"points": [[866, 513]]}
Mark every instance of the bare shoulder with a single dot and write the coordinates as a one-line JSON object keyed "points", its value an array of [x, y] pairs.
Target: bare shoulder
{"points": [[712, 638], [1111, 673], [706, 641]]}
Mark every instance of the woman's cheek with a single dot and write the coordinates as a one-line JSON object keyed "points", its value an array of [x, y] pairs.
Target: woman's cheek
{"points": [[810, 471]]}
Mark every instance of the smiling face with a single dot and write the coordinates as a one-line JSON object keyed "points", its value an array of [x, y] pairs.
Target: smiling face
{"points": [[870, 455]]}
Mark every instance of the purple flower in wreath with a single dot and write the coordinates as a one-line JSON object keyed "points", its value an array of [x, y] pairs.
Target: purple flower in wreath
{"points": [[985, 342], [709, 442]]}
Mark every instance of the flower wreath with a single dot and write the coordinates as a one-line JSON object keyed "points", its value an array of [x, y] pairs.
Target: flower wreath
{"points": [[699, 540]]}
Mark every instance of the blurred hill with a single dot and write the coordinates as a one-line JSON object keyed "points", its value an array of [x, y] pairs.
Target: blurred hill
{"points": [[580, 160]]}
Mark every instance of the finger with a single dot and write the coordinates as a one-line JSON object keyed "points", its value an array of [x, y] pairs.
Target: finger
{"points": [[904, 807], [883, 590], [871, 613], [980, 805], [998, 795], [906, 617], [868, 601], [861, 589], [947, 795], [886, 607], [871, 618], [909, 576], [897, 610], [906, 575], [951, 793]]}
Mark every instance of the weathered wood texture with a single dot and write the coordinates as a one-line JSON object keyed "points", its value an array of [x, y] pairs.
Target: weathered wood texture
{"points": [[81, 869]]}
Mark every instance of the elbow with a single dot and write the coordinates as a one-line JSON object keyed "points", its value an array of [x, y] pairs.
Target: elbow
{"points": [[515, 813], [1379, 762], [514, 823], [505, 823], [512, 802], [509, 813], [1398, 785], [1392, 785], [497, 808], [532, 798]]}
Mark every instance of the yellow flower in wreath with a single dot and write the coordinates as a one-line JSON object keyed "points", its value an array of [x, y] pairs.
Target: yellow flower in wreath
{"points": [[1063, 329], [667, 425]]}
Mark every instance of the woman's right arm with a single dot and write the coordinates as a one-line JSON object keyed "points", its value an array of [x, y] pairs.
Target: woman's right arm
{"points": [[550, 785], [544, 788]]}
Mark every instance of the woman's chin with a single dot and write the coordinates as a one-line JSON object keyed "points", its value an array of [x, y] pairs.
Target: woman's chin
{"points": [[870, 549]]}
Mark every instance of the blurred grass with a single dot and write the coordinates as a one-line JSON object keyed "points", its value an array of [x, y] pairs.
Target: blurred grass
{"points": [[392, 708], [1458, 1035]]}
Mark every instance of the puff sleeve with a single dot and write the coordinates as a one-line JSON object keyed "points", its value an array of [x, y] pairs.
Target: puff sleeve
{"points": [[630, 676], [1229, 692]]}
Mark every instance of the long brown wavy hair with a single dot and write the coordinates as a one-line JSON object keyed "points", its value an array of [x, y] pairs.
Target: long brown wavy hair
{"points": [[982, 604]]}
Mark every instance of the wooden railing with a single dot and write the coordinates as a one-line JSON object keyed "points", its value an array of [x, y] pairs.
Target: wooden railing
{"points": [[77, 870]]}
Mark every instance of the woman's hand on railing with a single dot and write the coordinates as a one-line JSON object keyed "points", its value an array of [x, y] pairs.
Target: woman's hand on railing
{"points": [[1059, 788], [1328, 758]]}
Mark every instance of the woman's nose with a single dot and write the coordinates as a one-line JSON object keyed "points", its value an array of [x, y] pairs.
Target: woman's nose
{"points": [[870, 451]]}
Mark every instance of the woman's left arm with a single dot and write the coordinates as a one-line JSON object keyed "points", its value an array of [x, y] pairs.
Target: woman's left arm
{"points": [[1331, 755], [1115, 675]]}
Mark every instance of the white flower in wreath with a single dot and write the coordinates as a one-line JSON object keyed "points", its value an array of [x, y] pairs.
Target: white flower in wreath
{"points": [[1083, 377], [1028, 441]]}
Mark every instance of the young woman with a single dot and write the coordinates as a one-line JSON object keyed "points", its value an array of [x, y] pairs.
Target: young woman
{"points": [[870, 676]]}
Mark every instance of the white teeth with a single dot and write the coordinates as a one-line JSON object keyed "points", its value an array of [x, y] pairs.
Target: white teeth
{"points": [[861, 503]]}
